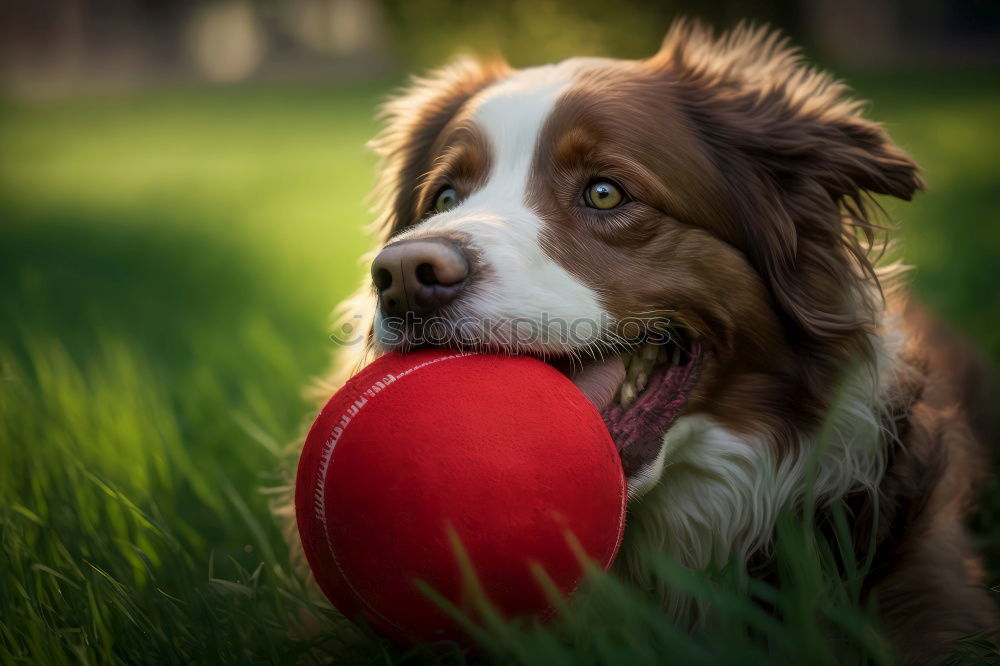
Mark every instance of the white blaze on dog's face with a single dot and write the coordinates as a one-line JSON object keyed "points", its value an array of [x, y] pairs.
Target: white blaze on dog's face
{"points": [[519, 281], [725, 172]]}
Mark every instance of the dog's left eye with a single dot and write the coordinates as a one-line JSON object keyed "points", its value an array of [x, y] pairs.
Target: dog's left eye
{"points": [[603, 195], [446, 199]]}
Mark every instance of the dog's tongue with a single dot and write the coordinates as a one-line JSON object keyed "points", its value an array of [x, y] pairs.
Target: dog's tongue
{"points": [[599, 381]]}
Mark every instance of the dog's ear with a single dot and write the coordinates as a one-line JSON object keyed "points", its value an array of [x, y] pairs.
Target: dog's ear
{"points": [[412, 123], [800, 162]]}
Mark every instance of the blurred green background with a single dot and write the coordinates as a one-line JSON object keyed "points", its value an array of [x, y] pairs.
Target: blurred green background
{"points": [[182, 191]]}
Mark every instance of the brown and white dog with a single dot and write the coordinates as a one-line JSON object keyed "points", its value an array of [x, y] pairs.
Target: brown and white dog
{"points": [[716, 195]]}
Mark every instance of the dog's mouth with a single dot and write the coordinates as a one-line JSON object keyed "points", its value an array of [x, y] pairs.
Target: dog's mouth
{"points": [[639, 393], [639, 386]]}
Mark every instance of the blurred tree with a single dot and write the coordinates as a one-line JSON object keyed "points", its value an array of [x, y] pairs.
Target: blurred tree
{"points": [[45, 44]]}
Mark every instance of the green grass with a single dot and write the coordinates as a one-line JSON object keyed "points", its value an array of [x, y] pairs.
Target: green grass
{"points": [[168, 263]]}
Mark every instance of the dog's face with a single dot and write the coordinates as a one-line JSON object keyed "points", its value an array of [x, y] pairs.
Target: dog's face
{"points": [[672, 231]]}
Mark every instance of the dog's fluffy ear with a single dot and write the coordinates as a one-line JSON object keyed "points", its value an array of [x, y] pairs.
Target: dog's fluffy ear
{"points": [[799, 159], [413, 121]]}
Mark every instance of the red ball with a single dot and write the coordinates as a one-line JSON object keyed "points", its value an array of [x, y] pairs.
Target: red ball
{"points": [[503, 451]]}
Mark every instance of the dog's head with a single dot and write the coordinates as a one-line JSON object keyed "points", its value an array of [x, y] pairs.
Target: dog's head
{"points": [[683, 233]]}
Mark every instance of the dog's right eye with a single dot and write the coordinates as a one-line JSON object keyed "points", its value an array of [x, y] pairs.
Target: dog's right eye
{"points": [[446, 199], [603, 195]]}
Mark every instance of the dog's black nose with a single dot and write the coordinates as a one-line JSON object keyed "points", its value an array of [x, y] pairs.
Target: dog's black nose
{"points": [[418, 276]]}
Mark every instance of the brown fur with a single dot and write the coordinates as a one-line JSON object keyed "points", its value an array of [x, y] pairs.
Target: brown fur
{"points": [[925, 576]]}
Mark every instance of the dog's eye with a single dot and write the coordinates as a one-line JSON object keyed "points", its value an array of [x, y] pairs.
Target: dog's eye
{"points": [[603, 195], [447, 199]]}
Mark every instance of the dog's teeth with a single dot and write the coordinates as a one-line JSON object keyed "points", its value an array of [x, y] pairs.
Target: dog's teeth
{"points": [[638, 367], [633, 368], [640, 381], [649, 353], [628, 394], [627, 360]]}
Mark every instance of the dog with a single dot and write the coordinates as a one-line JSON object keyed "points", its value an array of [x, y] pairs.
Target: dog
{"points": [[691, 238]]}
